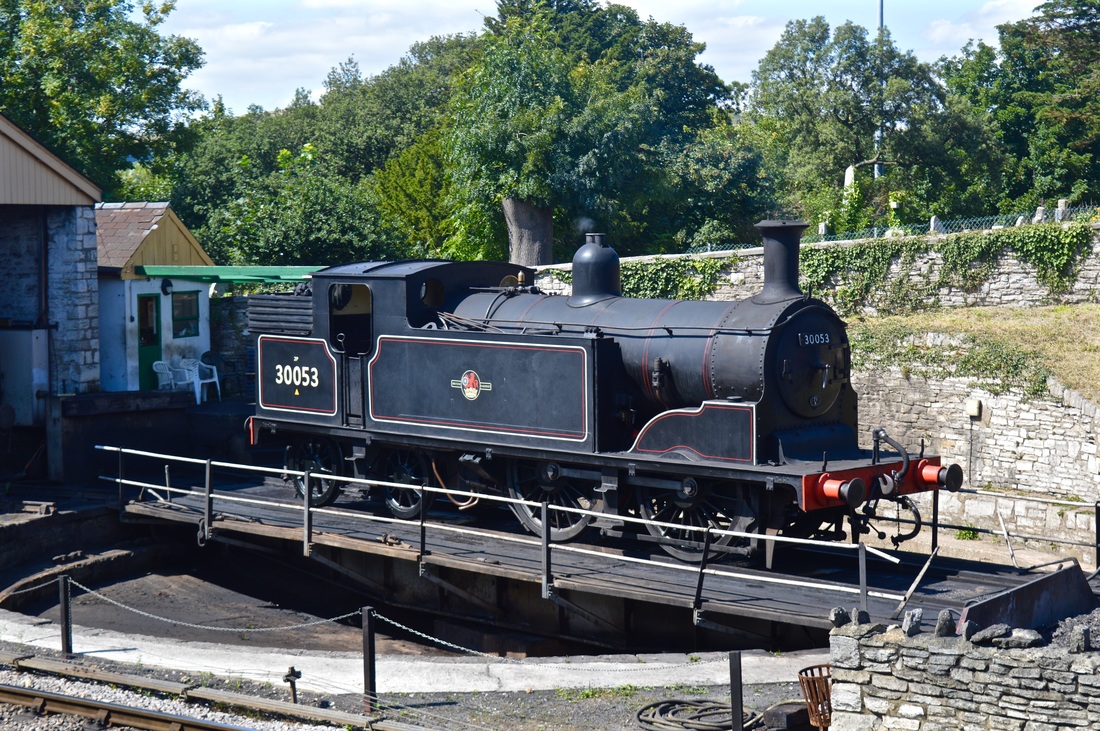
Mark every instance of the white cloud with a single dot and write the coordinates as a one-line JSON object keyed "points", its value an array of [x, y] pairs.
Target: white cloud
{"points": [[260, 51]]}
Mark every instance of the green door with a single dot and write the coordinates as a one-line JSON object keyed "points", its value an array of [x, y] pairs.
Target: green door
{"points": [[148, 339]]}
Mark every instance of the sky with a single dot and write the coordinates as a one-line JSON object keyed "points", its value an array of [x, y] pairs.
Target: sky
{"points": [[261, 51]]}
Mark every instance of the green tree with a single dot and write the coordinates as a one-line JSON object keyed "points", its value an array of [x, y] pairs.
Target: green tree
{"points": [[298, 215], [1040, 88], [363, 122], [411, 192], [92, 83], [562, 116], [829, 99], [720, 188]]}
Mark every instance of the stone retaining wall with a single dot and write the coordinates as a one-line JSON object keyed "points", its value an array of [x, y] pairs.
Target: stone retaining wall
{"points": [[1011, 284], [883, 678], [1043, 449]]}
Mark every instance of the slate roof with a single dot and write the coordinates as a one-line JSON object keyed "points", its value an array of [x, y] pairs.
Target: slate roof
{"points": [[122, 227]]}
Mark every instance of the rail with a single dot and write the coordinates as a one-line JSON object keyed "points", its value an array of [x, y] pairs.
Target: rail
{"points": [[208, 496], [106, 714]]}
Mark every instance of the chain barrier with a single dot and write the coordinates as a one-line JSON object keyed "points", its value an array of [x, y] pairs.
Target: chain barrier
{"points": [[436, 640], [51, 582], [587, 667], [189, 625]]}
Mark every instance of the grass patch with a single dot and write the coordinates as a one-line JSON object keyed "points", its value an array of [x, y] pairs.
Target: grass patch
{"points": [[1014, 346], [579, 694]]}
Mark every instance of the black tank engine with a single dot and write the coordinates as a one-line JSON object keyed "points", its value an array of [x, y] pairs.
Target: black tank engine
{"points": [[691, 414]]}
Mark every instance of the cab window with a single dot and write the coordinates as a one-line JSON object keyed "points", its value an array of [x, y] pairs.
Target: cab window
{"points": [[350, 317]]}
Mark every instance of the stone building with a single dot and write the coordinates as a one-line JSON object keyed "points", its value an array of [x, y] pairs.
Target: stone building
{"points": [[49, 318]]}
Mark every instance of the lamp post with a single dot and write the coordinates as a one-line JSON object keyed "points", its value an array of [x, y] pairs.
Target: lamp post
{"points": [[878, 132]]}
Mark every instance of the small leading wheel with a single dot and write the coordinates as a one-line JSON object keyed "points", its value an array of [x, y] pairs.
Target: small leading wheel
{"points": [[687, 512], [542, 482], [406, 467], [319, 457]]}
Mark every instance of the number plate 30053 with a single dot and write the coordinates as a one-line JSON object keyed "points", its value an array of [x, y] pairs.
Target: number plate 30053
{"points": [[811, 339]]}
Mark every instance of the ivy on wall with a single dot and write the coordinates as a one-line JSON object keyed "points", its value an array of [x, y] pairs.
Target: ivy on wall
{"points": [[855, 275], [681, 277], [689, 278], [882, 273]]}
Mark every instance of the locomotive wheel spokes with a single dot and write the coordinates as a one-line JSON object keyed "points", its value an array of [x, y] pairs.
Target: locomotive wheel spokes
{"points": [[542, 482], [689, 511], [406, 467], [319, 457]]}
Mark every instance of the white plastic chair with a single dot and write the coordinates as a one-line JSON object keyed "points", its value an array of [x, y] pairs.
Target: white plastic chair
{"points": [[169, 378], [200, 374], [208, 369]]}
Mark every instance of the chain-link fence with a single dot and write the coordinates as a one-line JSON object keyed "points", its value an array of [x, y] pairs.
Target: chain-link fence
{"points": [[1062, 213]]}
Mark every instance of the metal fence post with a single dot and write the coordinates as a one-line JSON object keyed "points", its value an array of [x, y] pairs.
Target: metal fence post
{"points": [[370, 691], [208, 505], [547, 575], [121, 496], [423, 526], [737, 693], [64, 590], [935, 518], [307, 514], [863, 576], [1097, 514], [702, 570]]}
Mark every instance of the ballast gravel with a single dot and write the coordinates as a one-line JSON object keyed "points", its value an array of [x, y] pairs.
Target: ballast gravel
{"points": [[16, 718]]}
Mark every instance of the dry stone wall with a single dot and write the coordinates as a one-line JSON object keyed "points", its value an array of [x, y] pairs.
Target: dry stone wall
{"points": [[1011, 284], [998, 680], [1042, 449]]}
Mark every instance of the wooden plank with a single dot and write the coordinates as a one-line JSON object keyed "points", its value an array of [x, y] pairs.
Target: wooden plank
{"points": [[72, 670], [296, 710], [12, 658]]}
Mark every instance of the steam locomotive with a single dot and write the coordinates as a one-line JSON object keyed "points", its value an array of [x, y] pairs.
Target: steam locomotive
{"points": [[689, 414]]}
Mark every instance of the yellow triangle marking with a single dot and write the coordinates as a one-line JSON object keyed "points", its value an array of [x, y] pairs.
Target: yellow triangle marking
{"points": [[296, 392]]}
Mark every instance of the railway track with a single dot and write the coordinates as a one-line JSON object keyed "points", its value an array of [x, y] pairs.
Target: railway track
{"points": [[116, 715], [106, 714]]}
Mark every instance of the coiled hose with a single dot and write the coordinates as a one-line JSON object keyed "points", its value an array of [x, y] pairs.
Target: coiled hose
{"points": [[679, 714]]}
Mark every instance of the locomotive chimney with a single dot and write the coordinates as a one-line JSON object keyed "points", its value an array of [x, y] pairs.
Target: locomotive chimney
{"points": [[595, 272], [781, 241]]}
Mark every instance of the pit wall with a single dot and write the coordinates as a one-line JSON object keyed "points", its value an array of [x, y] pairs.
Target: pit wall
{"points": [[883, 678], [1016, 447]]}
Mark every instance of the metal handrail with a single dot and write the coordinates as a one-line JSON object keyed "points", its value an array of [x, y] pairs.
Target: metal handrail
{"points": [[308, 510]]}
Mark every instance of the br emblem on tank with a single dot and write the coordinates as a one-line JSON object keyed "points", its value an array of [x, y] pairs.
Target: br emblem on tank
{"points": [[471, 385]]}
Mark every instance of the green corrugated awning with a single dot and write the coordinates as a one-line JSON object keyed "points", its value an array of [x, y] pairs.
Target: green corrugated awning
{"points": [[230, 275]]}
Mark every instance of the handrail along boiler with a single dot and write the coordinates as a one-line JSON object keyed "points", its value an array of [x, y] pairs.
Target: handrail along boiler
{"points": [[733, 415]]}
